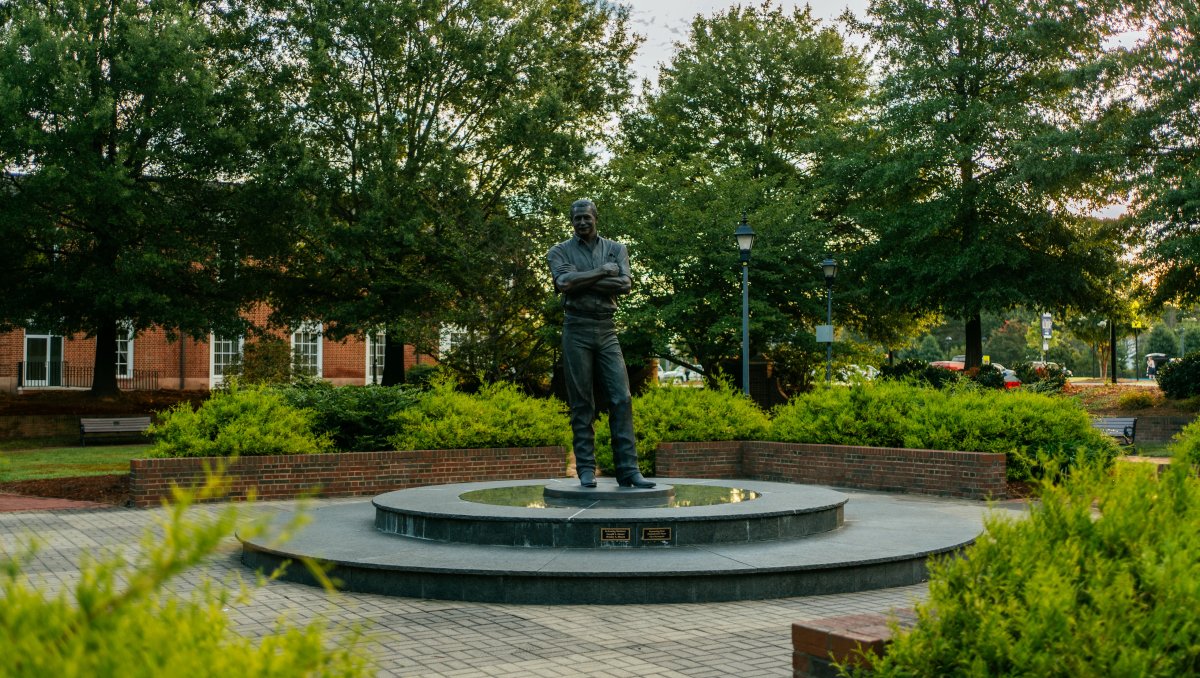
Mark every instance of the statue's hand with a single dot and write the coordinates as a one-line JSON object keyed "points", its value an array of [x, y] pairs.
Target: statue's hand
{"points": [[611, 269]]}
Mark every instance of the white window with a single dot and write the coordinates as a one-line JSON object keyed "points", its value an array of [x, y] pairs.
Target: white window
{"points": [[451, 338], [225, 356], [306, 350], [376, 343], [125, 351]]}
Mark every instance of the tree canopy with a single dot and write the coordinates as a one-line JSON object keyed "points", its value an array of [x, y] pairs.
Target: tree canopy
{"points": [[130, 157], [984, 141]]}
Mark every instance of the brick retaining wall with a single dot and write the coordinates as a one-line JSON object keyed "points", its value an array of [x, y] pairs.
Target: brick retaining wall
{"points": [[345, 474], [1159, 429], [818, 643], [973, 475], [17, 426]]}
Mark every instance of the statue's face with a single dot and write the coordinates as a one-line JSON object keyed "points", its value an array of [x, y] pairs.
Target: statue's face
{"points": [[583, 219]]}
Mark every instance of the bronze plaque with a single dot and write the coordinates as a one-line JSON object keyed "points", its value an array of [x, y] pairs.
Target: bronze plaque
{"points": [[615, 534], [659, 534]]}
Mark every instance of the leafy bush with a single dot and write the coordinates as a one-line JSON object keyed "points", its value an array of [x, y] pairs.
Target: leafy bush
{"points": [[1043, 379], [684, 415], [122, 619], [356, 418], [1135, 400], [1072, 590], [987, 376], [915, 371], [1180, 379], [267, 360], [1029, 428], [1186, 443], [238, 420], [420, 376], [499, 415]]}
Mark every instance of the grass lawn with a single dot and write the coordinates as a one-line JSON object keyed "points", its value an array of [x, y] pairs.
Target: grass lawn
{"points": [[67, 462]]}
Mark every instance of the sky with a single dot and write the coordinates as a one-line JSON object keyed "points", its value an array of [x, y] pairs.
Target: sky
{"points": [[665, 22]]}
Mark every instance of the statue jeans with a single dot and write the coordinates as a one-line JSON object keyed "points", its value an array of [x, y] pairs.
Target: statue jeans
{"points": [[591, 354]]}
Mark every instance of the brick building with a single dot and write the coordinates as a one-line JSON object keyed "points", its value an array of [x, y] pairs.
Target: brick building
{"points": [[32, 358]]}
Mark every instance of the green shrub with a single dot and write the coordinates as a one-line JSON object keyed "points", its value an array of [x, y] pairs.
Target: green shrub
{"points": [[1180, 379], [268, 360], [1047, 379], [122, 618], [1027, 427], [684, 415], [1135, 400], [356, 418], [421, 376], [499, 415], [915, 371], [987, 376], [1186, 443], [239, 420], [1100, 580]]}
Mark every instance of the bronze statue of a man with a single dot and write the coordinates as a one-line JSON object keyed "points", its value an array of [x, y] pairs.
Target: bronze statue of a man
{"points": [[590, 272]]}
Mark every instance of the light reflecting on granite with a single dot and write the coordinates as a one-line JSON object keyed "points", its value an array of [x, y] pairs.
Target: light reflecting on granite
{"points": [[530, 496]]}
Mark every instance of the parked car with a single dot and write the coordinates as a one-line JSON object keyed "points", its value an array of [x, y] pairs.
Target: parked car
{"points": [[955, 365], [679, 374], [1040, 365], [1010, 377]]}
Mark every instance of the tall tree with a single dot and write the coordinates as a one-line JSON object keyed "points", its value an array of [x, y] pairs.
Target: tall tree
{"points": [[432, 132], [1166, 134], [128, 136], [736, 124], [986, 134]]}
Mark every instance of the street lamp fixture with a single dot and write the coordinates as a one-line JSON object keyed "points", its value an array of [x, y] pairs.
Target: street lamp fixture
{"points": [[745, 240], [829, 268]]}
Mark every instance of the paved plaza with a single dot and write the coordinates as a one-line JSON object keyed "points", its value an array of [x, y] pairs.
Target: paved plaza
{"points": [[410, 637]]}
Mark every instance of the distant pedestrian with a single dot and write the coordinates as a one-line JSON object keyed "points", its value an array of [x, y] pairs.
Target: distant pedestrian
{"points": [[1151, 368]]}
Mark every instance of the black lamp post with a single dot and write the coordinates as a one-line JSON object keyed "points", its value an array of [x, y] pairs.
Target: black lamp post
{"points": [[829, 268], [745, 240]]}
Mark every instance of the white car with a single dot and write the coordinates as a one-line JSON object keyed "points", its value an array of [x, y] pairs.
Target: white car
{"points": [[680, 374]]}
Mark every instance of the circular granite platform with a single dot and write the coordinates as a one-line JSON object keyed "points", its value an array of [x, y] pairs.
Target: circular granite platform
{"points": [[880, 541]]}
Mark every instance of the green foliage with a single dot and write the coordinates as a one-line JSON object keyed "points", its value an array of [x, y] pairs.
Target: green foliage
{"points": [[1163, 339], [267, 360], [1180, 379], [1135, 400], [429, 128], [499, 415], [1031, 429], [987, 376], [1008, 344], [920, 372], [1042, 379], [237, 421], [124, 617], [1186, 444], [682, 415], [960, 173], [927, 350], [120, 126], [1099, 580], [421, 376], [355, 418]]}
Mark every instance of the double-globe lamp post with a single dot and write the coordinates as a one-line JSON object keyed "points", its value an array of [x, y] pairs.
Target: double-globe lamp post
{"points": [[745, 240], [829, 268]]}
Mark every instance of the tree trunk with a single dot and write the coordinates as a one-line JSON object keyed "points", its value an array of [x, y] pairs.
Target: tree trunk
{"points": [[104, 366], [974, 339], [1112, 348], [393, 361]]}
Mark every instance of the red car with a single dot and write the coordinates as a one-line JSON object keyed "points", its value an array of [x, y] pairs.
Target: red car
{"points": [[1010, 377]]}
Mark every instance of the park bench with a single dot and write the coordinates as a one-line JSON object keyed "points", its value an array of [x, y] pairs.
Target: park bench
{"points": [[112, 427], [1121, 428]]}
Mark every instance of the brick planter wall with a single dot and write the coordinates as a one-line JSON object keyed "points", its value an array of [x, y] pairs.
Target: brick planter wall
{"points": [[972, 475], [818, 643], [346, 474], [1159, 429], [16, 426]]}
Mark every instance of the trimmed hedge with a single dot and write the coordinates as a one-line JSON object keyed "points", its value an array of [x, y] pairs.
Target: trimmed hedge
{"points": [[239, 420], [499, 415], [1029, 428], [672, 414], [1100, 580]]}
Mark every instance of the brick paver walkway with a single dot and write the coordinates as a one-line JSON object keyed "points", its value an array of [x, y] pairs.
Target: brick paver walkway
{"points": [[21, 502], [410, 637]]}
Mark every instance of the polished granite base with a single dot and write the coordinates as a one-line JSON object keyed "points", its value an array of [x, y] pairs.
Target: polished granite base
{"points": [[792, 540]]}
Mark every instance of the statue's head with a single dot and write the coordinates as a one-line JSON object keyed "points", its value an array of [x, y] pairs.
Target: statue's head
{"points": [[583, 218]]}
